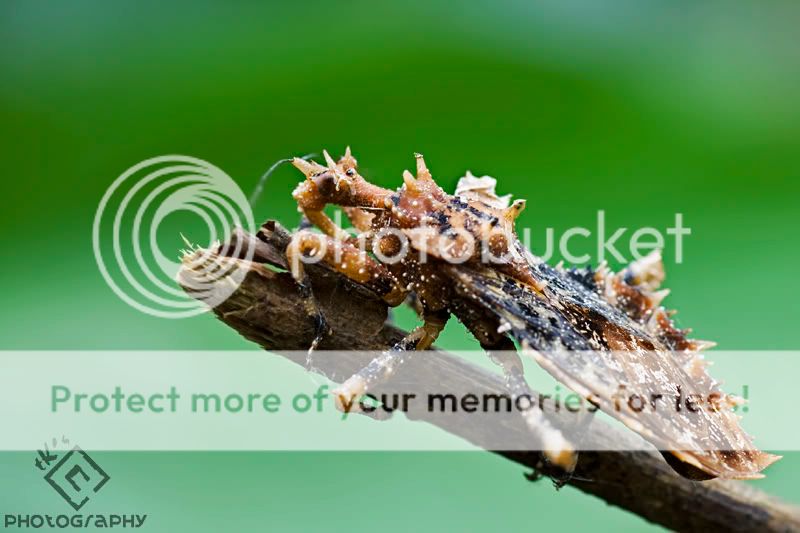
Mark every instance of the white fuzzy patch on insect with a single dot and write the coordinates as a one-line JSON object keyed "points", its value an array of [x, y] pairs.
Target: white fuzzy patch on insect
{"points": [[504, 327]]}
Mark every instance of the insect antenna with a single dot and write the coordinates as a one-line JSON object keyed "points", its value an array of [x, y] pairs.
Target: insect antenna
{"points": [[259, 188]]}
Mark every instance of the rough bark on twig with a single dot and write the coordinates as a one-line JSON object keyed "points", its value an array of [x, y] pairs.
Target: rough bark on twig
{"points": [[267, 309]]}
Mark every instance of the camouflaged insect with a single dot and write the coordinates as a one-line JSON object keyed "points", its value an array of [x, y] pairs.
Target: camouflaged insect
{"points": [[593, 330]]}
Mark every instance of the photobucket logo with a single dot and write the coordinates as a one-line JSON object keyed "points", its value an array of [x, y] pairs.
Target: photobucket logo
{"points": [[493, 244], [126, 228]]}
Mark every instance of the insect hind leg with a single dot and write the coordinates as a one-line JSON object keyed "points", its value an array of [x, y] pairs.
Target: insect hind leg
{"points": [[555, 447], [558, 449]]}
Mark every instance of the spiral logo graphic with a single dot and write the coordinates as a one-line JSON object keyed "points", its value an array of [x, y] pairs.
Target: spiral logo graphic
{"points": [[139, 211]]}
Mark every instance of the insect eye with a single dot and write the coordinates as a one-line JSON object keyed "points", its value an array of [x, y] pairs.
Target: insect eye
{"points": [[350, 172]]}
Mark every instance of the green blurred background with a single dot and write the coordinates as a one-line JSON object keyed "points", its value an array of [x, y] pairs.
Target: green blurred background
{"points": [[643, 109]]}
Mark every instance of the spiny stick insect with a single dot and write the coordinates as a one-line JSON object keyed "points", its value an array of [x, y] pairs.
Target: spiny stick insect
{"points": [[591, 329]]}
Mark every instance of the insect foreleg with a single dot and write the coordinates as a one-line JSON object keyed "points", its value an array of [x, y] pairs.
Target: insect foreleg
{"points": [[304, 242], [326, 225], [346, 259]]}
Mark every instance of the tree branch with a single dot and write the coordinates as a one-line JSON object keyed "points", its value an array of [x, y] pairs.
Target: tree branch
{"points": [[267, 309]]}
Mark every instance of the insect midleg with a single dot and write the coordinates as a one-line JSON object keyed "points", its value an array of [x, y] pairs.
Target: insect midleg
{"points": [[384, 365]]}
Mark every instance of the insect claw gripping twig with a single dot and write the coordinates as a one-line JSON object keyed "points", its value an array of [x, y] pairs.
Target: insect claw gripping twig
{"points": [[533, 476]]}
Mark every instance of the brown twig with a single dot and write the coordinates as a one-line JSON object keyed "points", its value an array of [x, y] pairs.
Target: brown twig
{"points": [[267, 309]]}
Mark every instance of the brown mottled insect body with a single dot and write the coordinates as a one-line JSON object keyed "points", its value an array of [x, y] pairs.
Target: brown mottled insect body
{"points": [[459, 254]]}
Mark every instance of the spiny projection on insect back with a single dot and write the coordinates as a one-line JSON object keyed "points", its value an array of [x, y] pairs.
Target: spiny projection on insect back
{"points": [[593, 330]]}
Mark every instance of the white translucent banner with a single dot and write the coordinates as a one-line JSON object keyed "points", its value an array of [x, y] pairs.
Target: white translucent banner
{"points": [[109, 400]]}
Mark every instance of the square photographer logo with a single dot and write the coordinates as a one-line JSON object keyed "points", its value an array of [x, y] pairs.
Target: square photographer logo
{"points": [[74, 475]]}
